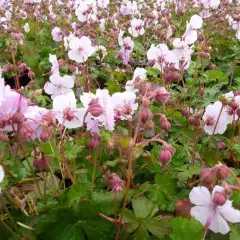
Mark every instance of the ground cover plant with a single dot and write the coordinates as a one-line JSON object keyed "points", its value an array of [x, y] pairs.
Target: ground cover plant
{"points": [[119, 119]]}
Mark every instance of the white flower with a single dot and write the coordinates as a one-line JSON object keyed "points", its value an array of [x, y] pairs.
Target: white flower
{"points": [[209, 213], [124, 105], [2, 174], [53, 60], [190, 35], [103, 3], [105, 101], [139, 74], [81, 49], [59, 85], [159, 55], [66, 111], [210, 118], [57, 34], [136, 28], [210, 3], [26, 28]]}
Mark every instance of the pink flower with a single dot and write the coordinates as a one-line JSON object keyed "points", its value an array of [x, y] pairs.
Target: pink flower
{"points": [[81, 49], [53, 60], [213, 210], [59, 85], [127, 46], [57, 34], [137, 27]]}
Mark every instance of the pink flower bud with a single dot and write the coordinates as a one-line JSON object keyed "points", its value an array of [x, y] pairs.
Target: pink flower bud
{"points": [[61, 63], [208, 176], [95, 108], [219, 199], [26, 130], [151, 63], [164, 123], [165, 155], [18, 117], [115, 182], [145, 114], [234, 105], [163, 21], [194, 121], [42, 162], [72, 68], [94, 143], [31, 74], [222, 172], [44, 135], [213, 67], [220, 145], [162, 95]]}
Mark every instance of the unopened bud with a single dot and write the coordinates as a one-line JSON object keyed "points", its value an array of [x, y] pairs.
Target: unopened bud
{"points": [[219, 198], [222, 172], [162, 95], [145, 114], [207, 176]]}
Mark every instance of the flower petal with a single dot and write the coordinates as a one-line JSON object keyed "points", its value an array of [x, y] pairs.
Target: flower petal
{"points": [[2, 174], [201, 213], [229, 213], [219, 224], [200, 196]]}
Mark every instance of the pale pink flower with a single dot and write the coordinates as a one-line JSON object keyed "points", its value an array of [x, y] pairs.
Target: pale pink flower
{"points": [[104, 100], [124, 105], [159, 55], [190, 35], [57, 34], [53, 60], [210, 118], [103, 3], [59, 85], [2, 175], [212, 213], [127, 46], [138, 75], [67, 112], [81, 49], [137, 27]]}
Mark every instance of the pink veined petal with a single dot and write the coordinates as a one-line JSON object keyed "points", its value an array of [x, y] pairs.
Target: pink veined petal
{"points": [[229, 213], [219, 224], [50, 88], [201, 213], [200, 196], [68, 81]]}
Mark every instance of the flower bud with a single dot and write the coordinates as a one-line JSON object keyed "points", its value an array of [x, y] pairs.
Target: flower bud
{"points": [[164, 123], [165, 156], [145, 114], [207, 176], [94, 143], [18, 117], [162, 95], [115, 182], [219, 198], [234, 105], [44, 135], [95, 108], [220, 145], [42, 162], [26, 130], [61, 62], [222, 172], [72, 68], [213, 67], [31, 74], [183, 207]]}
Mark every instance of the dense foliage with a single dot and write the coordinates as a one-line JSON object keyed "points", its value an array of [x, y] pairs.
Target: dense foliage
{"points": [[119, 119]]}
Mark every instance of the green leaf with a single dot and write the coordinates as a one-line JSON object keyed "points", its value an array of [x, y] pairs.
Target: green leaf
{"points": [[236, 148], [153, 72], [141, 234], [184, 229], [235, 232], [217, 74], [144, 208], [166, 183], [159, 226], [73, 194]]}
